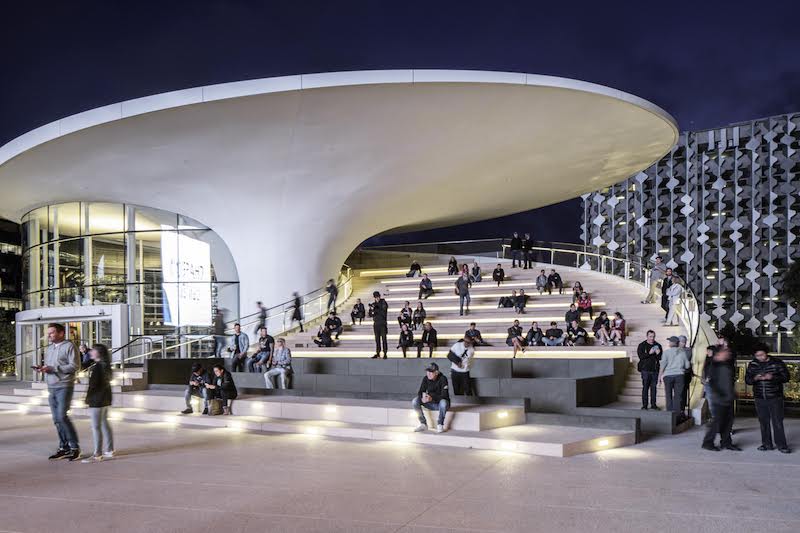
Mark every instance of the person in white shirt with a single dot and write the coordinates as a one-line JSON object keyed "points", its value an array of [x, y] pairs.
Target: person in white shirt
{"points": [[656, 277], [674, 295], [279, 365], [460, 356]]}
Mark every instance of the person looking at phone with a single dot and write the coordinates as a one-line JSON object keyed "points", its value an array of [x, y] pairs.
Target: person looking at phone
{"points": [[433, 394], [59, 367]]}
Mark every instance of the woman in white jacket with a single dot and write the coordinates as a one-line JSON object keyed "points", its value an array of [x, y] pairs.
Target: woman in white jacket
{"points": [[674, 295]]}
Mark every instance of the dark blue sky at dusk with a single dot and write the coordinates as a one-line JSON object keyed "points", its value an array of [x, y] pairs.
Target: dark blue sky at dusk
{"points": [[707, 63]]}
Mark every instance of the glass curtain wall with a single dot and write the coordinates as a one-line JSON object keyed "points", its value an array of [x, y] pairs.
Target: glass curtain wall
{"points": [[173, 272]]}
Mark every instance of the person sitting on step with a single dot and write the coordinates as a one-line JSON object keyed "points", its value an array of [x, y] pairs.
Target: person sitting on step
{"points": [[554, 336], [264, 346], [452, 266], [602, 328], [358, 312], [428, 340], [585, 304], [419, 316], [433, 394], [521, 302], [334, 324], [541, 282], [576, 335], [406, 315], [474, 335], [507, 301], [554, 281], [577, 289], [498, 274], [475, 273], [572, 314], [222, 388], [425, 288], [618, 329], [414, 269], [196, 388], [516, 339], [323, 337], [279, 365], [535, 335], [406, 339]]}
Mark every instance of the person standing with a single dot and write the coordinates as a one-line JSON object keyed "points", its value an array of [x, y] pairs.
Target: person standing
{"points": [[262, 318], [59, 367], [238, 348], [219, 333], [498, 274], [656, 277], [767, 374], [98, 400], [683, 346], [425, 287], [527, 252], [722, 375], [460, 356], [333, 293], [673, 366], [297, 311], [707, 392], [516, 250], [666, 282], [674, 293], [462, 290], [649, 352], [380, 325]]}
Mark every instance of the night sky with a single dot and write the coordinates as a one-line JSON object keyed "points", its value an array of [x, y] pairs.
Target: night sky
{"points": [[707, 63]]}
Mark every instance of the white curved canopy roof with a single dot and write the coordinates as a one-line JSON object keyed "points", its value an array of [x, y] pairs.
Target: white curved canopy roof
{"points": [[294, 172]]}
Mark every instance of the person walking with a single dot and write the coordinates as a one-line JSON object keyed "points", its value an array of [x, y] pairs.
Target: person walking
{"points": [[297, 311], [462, 290], [649, 353], [59, 368], [380, 325], [333, 294], [674, 294], [656, 277], [673, 367], [262, 318], [219, 333], [767, 374], [98, 400], [666, 282], [722, 375]]}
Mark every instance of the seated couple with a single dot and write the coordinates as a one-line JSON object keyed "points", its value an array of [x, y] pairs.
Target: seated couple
{"points": [[517, 301], [216, 386]]}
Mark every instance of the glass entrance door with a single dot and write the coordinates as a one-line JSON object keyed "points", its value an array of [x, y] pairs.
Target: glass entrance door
{"points": [[34, 342]]}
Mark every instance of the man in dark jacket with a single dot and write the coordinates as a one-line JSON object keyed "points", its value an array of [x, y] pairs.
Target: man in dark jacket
{"points": [[334, 325], [222, 387], [428, 340], [463, 285], [425, 288], [527, 253], [498, 274], [767, 375], [380, 327], [554, 281], [666, 284], [572, 315], [196, 387], [516, 250], [649, 352], [433, 394], [721, 376]]}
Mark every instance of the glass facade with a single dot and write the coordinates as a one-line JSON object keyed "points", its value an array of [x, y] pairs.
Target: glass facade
{"points": [[173, 272]]}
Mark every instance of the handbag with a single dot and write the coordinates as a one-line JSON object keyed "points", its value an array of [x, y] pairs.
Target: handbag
{"points": [[215, 406]]}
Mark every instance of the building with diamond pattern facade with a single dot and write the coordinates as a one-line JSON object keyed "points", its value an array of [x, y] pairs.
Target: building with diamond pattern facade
{"points": [[722, 208]]}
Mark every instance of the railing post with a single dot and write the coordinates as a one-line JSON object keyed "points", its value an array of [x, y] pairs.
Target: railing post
{"points": [[627, 270], [552, 257]]}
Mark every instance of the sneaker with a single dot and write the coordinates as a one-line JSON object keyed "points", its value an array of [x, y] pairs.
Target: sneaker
{"points": [[385, 356], [732, 447], [187, 411], [73, 454], [376, 356], [655, 408], [439, 428], [710, 447], [644, 408], [421, 427], [108, 455], [205, 411], [92, 459], [60, 454], [784, 450], [763, 448]]}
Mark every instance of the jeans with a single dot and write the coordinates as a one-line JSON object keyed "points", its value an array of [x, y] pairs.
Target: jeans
{"points": [[709, 398], [381, 341], [723, 423], [60, 399], [237, 362], [528, 259], [770, 417], [254, 363], [200, 392], [424, 292], [332, 302], [441, 406], [219, 344], [673, 392], [649, 384], [555, 342], [516, 255], [101, 430], [462, 383], [461, 299], [431, 348], [277, 371]]}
